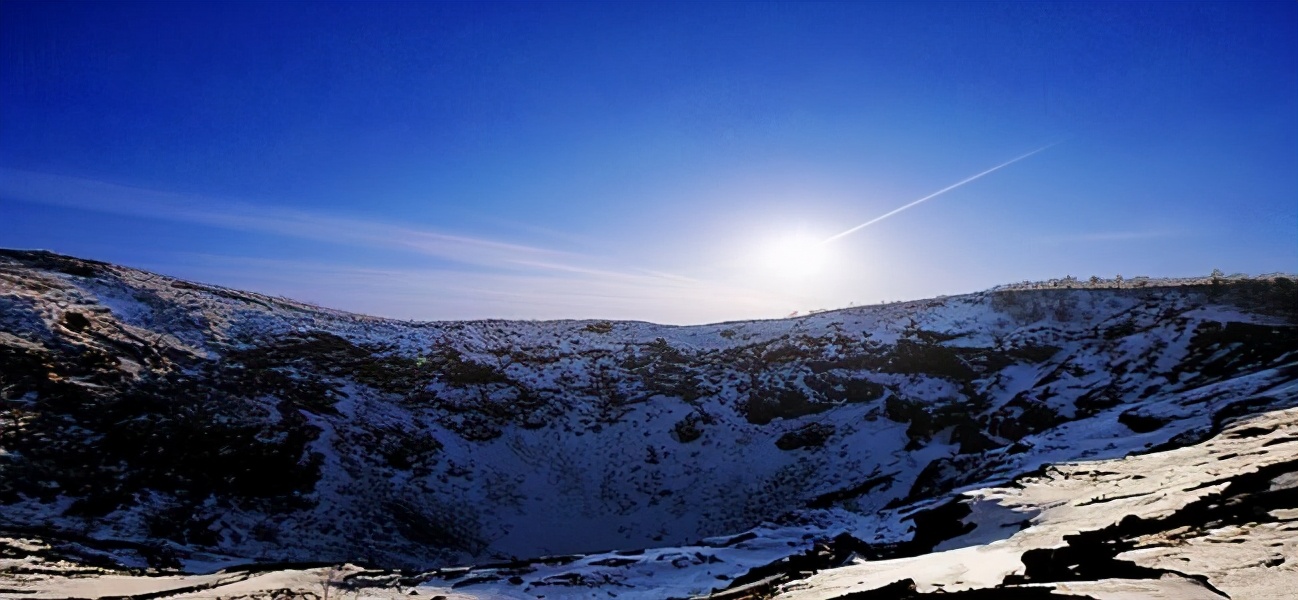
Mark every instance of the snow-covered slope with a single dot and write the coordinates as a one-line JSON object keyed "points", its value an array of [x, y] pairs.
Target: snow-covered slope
{"points": [[155, 422], [1208, 521]]}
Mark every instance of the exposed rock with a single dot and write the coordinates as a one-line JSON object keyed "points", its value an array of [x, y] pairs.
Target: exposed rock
{"points": [[1141, 423], [146, 421], [811, 435]]}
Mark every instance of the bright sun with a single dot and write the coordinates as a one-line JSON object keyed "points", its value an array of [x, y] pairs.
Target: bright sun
{"points": [[795, 255]]}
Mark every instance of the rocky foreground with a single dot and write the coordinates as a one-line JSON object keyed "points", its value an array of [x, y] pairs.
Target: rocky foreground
{"points": [[1218, 519], [161, 438]]}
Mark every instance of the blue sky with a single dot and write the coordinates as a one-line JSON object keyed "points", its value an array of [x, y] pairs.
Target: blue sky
{"points": [[655, 161]]}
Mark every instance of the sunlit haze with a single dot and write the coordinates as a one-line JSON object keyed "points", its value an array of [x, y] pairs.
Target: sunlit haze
{"points": [[678, 163]]}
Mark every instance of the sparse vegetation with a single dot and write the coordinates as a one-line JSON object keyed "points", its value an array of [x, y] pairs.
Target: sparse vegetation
{"points": [[811, 435], [601, 327], [250, 423]]}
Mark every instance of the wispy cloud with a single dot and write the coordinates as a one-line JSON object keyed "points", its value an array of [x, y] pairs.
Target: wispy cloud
{"points": [[479, 278], [1113, 236], [459, 294], [87, 194]]}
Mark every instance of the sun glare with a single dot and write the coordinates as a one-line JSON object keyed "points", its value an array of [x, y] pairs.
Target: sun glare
{"points": [[795, 256]]}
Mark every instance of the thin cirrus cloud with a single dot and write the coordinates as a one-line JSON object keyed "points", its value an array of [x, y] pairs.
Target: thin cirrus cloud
{"points": [[88, 194], [1114, 236], [501, 278], [458, 294]]}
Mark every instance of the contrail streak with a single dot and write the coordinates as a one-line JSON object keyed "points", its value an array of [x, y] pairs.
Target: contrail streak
{"points": [[936, 194]]}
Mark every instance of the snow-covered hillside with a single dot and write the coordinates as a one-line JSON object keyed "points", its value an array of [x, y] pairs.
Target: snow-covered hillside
{"points": [[151, 422]]}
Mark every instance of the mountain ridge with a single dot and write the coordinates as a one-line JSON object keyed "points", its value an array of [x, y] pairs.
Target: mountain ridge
{"points": [[177, 426]]}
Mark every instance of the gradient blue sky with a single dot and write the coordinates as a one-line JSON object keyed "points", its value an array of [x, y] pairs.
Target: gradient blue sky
{"points": [[626, 160]]}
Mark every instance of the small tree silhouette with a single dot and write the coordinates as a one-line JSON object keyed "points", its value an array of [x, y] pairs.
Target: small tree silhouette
{"points": [[1214, 289]]}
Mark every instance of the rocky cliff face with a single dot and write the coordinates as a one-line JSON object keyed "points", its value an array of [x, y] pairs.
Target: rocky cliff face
{"points": [[147, 421]]}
